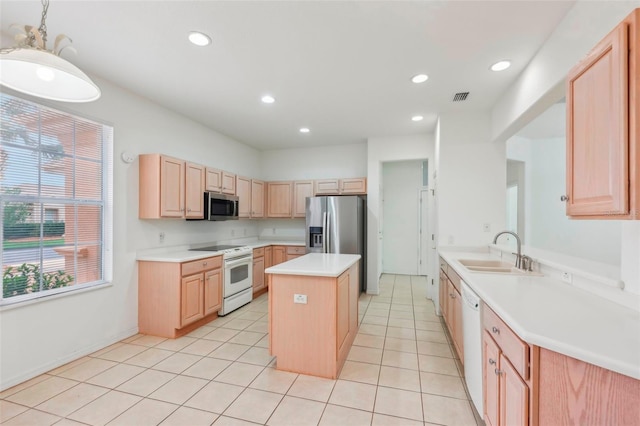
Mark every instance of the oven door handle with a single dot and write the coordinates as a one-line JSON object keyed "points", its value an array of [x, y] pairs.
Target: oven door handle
{"points": [[230, 263]]}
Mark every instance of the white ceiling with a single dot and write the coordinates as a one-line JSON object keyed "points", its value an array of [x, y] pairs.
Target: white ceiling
{"points": [[342, 69]]}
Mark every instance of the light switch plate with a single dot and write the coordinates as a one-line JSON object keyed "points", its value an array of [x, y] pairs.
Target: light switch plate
{"points": [[300, 298]]}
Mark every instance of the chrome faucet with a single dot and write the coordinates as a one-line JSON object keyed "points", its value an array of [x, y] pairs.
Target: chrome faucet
{"points": [[519, 246]]}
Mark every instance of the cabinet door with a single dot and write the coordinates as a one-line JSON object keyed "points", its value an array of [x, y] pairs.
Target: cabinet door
{"points": [[301, 190], [279, 254], [191, 303], [514, 396], [171, 187], [243, 191], [442, 294], [491, 382], [194, 191], [597, 130], [258, 274], [212, 291], [279, 199], [213, 181], [327, 187], [228, 183], [268, 257], [257, 198], [353, 186]]}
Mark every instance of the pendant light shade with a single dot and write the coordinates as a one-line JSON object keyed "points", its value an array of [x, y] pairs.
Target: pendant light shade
{"points": [[45, 75], [30, 68]]}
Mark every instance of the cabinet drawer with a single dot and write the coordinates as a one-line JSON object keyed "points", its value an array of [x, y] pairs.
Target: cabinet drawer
{"points": [[258, 252], [296, 250], [513, 348], [200, 265]]}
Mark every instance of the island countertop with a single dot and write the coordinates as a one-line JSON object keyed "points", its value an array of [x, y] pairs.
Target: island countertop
{"points": [[315, 264]]}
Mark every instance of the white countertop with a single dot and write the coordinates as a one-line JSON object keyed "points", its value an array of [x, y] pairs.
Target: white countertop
{"points": [[315, 264], [182, 254], [557, 316]]}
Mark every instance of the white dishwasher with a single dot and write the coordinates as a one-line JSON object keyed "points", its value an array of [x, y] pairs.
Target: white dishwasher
{"points": [[472, 332]]}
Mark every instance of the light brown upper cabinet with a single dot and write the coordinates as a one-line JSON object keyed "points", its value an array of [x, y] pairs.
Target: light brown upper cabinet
{"points": [[194, 190], [341, 186], [228, 183], [603, 136], [257, 198], [279, 199], [301, 190], [213, 180], [243, 191], [162, 185]]}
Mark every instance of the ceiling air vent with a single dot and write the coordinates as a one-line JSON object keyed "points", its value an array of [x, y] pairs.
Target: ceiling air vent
{"points": [[460, 96]]}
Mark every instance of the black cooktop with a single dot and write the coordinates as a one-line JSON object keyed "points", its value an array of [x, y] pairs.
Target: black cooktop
{"points": [[214, 248]]}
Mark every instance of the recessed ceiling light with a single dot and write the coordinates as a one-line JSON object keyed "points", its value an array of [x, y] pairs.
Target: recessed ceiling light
{"points": [[268, 99], [420, 78], [199, 39], [304, 130], [500, 66], [417, 118]]}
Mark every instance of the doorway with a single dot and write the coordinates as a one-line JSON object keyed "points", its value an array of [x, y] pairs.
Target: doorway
{"points": [[404, 217]]}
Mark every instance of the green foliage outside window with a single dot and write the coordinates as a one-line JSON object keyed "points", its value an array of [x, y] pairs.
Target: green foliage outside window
{"points": [[25, 279]]}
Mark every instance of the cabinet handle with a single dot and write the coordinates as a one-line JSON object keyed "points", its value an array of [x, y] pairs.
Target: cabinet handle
{"points": [[204, 263], [492, 361], [188, 210], [498, 372], [564, 198], [496, 330]]}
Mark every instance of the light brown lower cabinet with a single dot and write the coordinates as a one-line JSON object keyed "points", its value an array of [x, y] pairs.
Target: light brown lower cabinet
{"points": [[279, 254], [258, 270], [295, 251], [175, 298], [451, 306]]}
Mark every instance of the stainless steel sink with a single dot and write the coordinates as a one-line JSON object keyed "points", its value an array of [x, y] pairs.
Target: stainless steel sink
{"points": [[494, 267]]}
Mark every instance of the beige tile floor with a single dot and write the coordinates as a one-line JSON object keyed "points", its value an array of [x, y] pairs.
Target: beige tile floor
{"points": [[400, 371]]}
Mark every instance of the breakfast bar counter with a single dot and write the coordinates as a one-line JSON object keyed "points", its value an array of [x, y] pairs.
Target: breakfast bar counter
{"points": [[313, 312]]}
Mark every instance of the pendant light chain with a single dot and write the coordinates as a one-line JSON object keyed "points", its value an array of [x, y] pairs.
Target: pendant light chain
{"points": [[43, 26]]}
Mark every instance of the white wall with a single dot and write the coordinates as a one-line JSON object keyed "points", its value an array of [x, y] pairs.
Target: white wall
{"points": [[380, 150], [37, 337], [471, 176], [401, 182], [549, 227], [334, 161]]}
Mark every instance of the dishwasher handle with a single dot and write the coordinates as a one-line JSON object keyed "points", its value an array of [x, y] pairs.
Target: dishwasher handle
{"points": [[469, 297]]}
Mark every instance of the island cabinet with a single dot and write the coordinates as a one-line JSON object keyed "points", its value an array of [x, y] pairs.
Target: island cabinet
{"points": [[603, 128], [507, 377], [450, 303], [313, 320], [175, 298]]}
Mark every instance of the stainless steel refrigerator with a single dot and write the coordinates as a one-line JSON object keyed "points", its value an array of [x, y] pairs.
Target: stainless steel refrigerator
{"points": [[337, 224]]}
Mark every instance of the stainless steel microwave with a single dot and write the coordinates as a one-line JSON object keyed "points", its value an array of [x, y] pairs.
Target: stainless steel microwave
{"points": [[220, 206]]}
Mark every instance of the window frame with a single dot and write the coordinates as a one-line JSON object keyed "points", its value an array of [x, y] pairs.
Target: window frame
{"points": [[105, 203]]}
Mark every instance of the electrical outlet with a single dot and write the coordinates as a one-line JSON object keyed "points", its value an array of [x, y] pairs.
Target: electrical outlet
{"points": [[567, 277], [233, 232], [300, 298], [161, 237], [273, 231], [486, 227]]}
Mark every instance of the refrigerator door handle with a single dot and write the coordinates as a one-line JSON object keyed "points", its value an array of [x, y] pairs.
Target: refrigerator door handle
{"points": [[328, 250], [324, 232]]}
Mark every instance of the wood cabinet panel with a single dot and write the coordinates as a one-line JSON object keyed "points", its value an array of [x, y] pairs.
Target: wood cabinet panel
{"points": [[171, 187], [342, 310], [603, 127], [575, 392], [514, 396], [194, 191], [301, 190], [268, 257], [279, 199], [213, 181], [490, 380], [327, 187], [458, 336], [212, 291], [515, 349], [353, 186], [279, 254], [257, 198], [228, 183], [200, 265], [192, 294], [258, 274], [243, 191]]}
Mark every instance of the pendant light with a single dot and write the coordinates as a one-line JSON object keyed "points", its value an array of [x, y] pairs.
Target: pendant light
{"points": [[30, 68]]}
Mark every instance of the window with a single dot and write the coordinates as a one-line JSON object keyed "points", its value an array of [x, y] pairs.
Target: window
{"points": [[55, 200]]}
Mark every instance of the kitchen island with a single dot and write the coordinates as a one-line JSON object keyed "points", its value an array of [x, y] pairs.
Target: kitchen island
{"points": [[313, 312]]}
